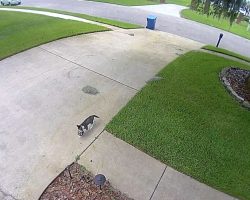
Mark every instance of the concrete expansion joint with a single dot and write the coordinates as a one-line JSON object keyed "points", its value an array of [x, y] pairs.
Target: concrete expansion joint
{"points": [[4, 195], [158, 182], [91, 143], [89, 69]]}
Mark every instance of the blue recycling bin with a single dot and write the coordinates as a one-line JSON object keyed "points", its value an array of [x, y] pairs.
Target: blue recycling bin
{"points": [[151, 20]]}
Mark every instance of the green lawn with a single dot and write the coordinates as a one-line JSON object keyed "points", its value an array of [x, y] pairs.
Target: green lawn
{"points": [[143, 2], [226, 52], [179, 2], [190, 122], [238, 29], [21, 31], [130, 2], [84, 16]]}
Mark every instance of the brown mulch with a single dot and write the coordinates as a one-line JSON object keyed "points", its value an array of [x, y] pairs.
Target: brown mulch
{"points": [[79, 187], [236, 77]]}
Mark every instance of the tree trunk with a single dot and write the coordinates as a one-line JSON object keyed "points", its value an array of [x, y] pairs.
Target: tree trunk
{"points": [[162, 1], [232, 18], [239, 18], [194, 4], [207, 7]]}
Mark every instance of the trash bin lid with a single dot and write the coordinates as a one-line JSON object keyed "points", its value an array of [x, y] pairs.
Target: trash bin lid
{"points": [[151, 17]]}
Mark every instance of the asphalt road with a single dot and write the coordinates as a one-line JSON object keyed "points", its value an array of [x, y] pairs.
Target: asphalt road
{"points": [[178, 26]]}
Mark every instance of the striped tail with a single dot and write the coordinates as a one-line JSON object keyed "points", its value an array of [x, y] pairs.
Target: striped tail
{"points": [[96, 116]]}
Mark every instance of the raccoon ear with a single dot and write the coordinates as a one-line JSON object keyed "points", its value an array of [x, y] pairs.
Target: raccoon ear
{"points": [[78, 126]]}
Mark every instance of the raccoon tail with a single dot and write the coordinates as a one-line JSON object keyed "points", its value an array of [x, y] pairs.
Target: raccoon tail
{"points": [[96, 116]]}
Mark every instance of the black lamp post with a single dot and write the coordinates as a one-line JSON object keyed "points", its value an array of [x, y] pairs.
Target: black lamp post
{"points": [[220, 37]]}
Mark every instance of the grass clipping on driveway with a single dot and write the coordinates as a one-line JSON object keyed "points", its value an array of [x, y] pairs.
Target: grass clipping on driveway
{"points": [[21, 31], [190, 122]]}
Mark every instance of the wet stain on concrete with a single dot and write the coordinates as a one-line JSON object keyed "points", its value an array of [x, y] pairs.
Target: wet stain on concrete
{"points": [[90, 90]]}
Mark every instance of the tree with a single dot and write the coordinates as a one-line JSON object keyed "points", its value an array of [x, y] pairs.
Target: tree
{"points": [[207, 7], [245, 9], [239, 18], [194, 4], [227, 8], [234, 9]]}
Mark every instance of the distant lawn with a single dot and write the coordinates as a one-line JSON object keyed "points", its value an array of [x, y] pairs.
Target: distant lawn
{"points": [[130, 2], [190, 122], [143, 2], [21, 31], [226, 52], [179, 2], [111, 22], [238, 29]]}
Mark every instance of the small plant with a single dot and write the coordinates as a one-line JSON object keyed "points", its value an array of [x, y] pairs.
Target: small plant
{"points": [[82, 168], [77, 158], [86, 177]]}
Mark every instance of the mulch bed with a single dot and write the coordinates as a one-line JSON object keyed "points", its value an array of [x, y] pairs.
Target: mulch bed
{"points": [[236, 77], [79, 186]]}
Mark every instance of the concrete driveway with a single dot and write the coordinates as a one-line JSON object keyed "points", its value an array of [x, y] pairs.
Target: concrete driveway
{"points": [[167, 23], [42, 99]]}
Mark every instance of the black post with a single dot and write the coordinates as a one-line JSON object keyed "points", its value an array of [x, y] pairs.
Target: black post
{"points": [[220, 37], [69, 172]]}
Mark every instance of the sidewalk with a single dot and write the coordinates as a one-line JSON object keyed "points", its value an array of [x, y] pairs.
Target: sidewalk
{"points": [[140, 176]]}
